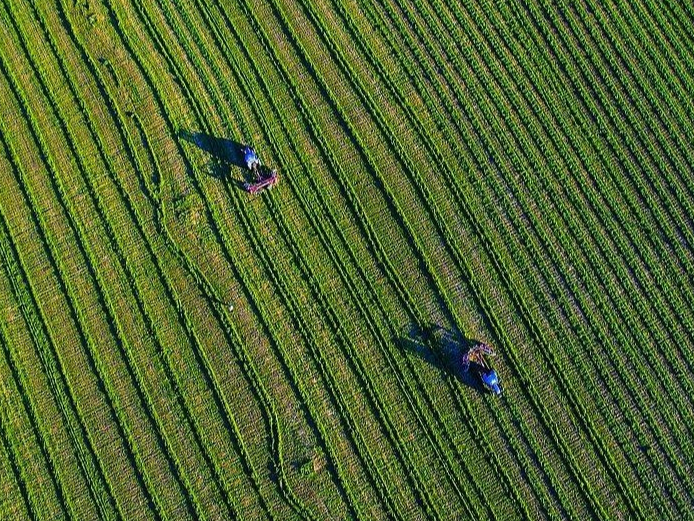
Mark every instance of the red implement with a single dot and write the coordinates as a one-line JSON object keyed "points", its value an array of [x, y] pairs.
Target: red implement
{"points": [[262, 184]]}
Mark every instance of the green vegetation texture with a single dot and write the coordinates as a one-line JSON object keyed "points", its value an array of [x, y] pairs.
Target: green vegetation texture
{"points": [[518, 173]]}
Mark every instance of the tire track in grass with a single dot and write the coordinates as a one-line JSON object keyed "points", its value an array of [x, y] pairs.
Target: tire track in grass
{"points": [[112, 321], [25, 197], [373, 109], [304, 328], [12, 385], [259, 113], [233, 339], [510, 489], [376, 330], [421, 89], [162, 105], [149, 322], [167, 286], [182, 38], [53, 47], [231, 335]]}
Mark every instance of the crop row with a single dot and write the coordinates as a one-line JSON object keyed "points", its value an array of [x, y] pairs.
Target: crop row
{"points": [[268, 321], [12, 483], [327, 310], [193, 340]]}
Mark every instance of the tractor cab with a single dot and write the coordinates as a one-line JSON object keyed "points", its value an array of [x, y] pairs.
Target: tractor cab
{"points": [[491, 381], [250, 158], [475, 359]]}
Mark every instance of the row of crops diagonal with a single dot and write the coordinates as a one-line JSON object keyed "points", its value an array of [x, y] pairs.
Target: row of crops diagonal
{"points": [[450, 173]]}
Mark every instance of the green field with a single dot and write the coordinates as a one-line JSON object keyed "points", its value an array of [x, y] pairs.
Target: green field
{"points": [[518, 173]]}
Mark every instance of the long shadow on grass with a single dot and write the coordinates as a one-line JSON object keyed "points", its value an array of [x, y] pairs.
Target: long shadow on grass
{"points": [[442, 348], [224, 154]]}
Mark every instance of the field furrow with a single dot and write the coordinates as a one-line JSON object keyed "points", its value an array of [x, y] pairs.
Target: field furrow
{"points": [[450, 173]]}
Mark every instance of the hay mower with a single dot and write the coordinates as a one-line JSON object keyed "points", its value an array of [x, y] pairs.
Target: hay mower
{"points": [[475, 359], [263, 177]]}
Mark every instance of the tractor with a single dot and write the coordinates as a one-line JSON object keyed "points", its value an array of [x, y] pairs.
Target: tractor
{"points": [[263, 177], [475, 359]]}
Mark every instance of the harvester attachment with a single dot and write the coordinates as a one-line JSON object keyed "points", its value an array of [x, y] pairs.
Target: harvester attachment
{"points": [[264, 181]]}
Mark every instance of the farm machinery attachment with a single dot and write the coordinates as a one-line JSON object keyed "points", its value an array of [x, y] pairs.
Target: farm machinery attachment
{"points": [[263, 177], [475, 359]]}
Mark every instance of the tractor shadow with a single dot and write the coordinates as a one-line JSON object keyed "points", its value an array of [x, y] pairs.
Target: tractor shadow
{"points": [[225, 154], [443, 349]]}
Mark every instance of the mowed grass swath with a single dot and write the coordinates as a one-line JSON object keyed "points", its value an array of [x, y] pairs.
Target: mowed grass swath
{"points": [[450, 173]]}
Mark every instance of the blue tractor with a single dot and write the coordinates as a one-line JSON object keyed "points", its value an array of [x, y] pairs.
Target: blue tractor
{"points": [[251, 159], [475, 359], [263, 177]]}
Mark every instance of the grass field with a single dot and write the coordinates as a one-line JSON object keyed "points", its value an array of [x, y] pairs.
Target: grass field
{"points": [[519, 173]]}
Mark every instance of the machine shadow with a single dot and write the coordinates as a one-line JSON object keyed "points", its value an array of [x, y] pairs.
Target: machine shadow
{"points": [[225, 153], [443, 349]]}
